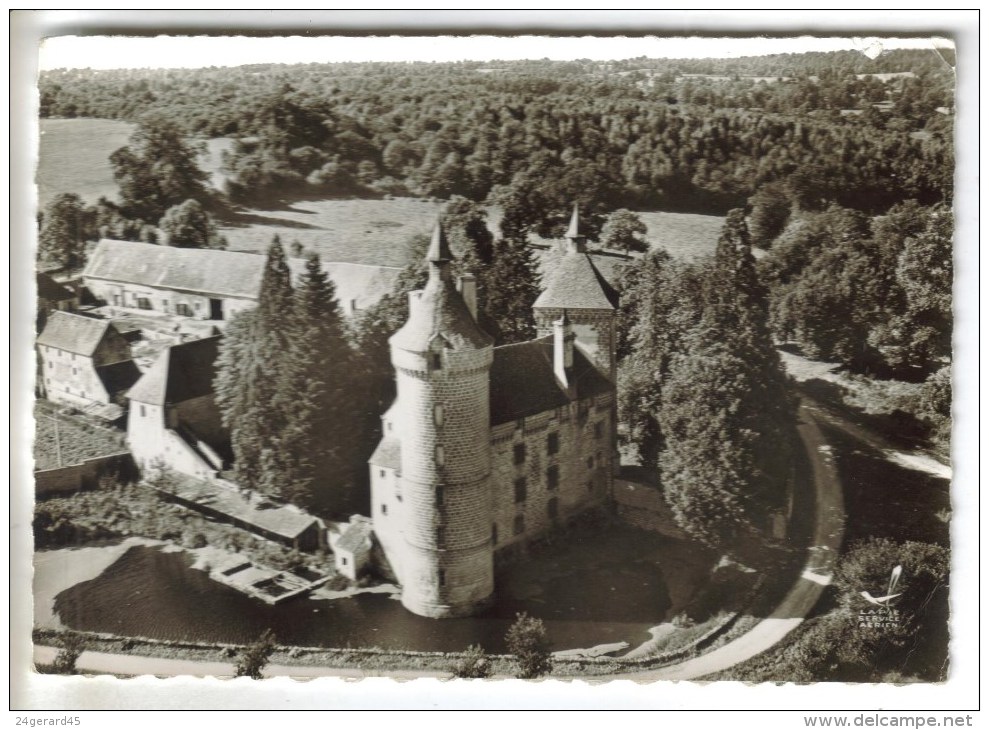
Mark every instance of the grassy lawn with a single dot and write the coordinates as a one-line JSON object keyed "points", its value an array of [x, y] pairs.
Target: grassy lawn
{"points": [[77, 440], [74, 157], [358, 231]]}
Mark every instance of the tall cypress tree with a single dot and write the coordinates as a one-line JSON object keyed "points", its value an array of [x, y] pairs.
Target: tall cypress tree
{"points": [[512, 287], [727, 416], [251, 367], [322, 427]]}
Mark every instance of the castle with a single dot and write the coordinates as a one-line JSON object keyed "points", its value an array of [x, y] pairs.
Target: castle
{"points": [[486, 448]]}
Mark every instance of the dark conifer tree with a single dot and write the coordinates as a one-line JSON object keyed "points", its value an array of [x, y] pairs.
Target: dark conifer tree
{"points": [[512, 287], [319, 439], [250, 382]]}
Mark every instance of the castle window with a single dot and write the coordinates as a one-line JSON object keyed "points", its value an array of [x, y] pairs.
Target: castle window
{"points": [[343, 561], [381, 472], [518, 527], [598, 430], [442, 577], [50, 364], [440, 496], [384, 509], [494, 533], [553, 477], [436, 361], [440, 536], [438, 414], [440, 456], [519, 451], [553, 508], [520, 490], [183, 309], [143, 414], [553, 443]]}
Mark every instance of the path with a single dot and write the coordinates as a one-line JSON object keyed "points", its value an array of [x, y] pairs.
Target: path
{"points": [[828, 531], [103, 663]]}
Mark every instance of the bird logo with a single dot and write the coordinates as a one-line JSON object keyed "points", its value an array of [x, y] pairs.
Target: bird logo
{"points": [[887, 600]]}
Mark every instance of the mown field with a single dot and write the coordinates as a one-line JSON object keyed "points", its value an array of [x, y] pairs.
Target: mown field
{"points": [[74, 157]]}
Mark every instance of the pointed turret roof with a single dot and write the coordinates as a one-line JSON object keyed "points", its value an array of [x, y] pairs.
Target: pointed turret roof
{"points": [[440, 311], [574, 230], [182, 372], [439, 247], [576, 283]]}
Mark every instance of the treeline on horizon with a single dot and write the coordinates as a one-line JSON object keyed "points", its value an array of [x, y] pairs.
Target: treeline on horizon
{"points": [[635, 133]]}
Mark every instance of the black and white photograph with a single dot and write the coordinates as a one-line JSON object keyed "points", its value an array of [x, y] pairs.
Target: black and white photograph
{"points": [[492, 356]]}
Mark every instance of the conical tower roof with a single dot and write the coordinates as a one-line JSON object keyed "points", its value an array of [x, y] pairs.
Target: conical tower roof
{"points": [[439, 247], [440, 310], [573, 231]]}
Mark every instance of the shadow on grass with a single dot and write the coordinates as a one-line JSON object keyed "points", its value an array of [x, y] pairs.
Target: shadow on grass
{"points": [[241, 219], [900, 428]]}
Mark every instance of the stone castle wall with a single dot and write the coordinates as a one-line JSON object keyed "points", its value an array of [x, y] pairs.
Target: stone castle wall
{"points": [[582, 464], [443, 417]]}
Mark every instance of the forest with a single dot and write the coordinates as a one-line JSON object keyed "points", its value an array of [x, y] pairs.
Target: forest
{"points": [[659, 134]]}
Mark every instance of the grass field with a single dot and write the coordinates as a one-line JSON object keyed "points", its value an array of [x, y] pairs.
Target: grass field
{"points": [[75, 158]]}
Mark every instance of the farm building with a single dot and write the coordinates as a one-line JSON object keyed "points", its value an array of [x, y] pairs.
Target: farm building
{"points": [[210, 284], [173, 416], [85, 363]]}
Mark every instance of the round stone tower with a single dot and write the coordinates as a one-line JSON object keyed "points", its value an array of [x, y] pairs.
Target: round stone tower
{"points": [[442, 360]]}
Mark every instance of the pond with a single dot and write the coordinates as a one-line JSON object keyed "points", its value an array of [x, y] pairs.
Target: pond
{"points": [[608, 588]]}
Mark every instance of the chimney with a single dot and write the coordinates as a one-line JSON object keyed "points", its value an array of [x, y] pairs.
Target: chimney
{"points": [[563, 339], [467, 286]]}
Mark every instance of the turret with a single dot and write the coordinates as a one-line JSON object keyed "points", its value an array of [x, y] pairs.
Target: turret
{"points": [[575, 286], [442, 360], [576, 241]]}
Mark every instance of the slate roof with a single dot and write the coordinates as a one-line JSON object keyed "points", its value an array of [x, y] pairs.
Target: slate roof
{"points": [[388, 454], [182, 372], [74, 333], [523, 382], [204, 271], [226, 273], [356, 537], [440, 312], [284, 521], [358, 283], [118, 377], [52, 291], [576, 283]]}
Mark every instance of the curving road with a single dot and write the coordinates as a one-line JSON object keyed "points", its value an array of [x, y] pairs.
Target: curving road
{"points": [[827, 537], [829, 525]]}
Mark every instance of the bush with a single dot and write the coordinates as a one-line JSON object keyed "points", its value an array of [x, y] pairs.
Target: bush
{"points": [[473, 664], [69, 653], [254, 658], [527, 640]]}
